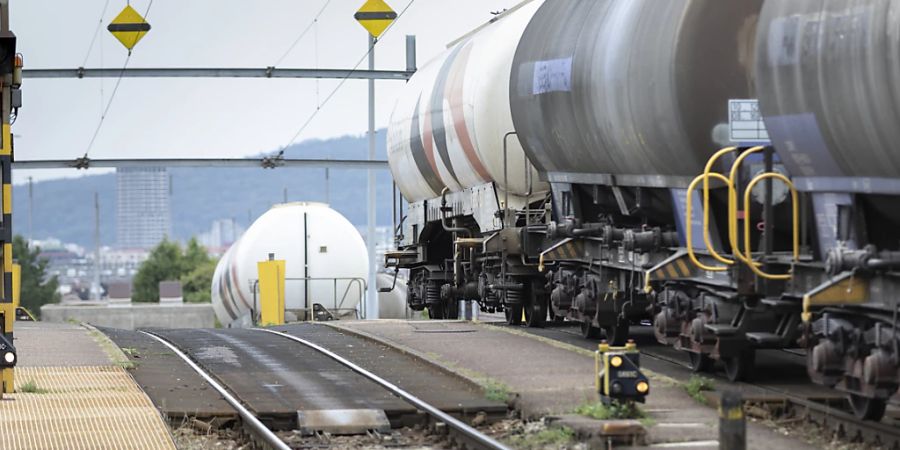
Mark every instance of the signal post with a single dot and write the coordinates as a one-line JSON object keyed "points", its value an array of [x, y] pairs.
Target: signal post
{"points": [[10, 100]]}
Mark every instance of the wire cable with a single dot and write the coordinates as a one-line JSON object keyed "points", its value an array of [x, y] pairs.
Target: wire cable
{"points": [[113, 95], [346, 77], [96, 33], [302, 34]]}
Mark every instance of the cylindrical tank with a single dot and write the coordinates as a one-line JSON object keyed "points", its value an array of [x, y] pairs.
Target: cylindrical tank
{"points": [[631, 87], [828, 77], [448, 126], [392, 305], [336, 253]]}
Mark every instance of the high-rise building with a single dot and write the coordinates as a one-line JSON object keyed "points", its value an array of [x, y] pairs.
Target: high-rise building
{"points": [[221, 235], [143, 209]]}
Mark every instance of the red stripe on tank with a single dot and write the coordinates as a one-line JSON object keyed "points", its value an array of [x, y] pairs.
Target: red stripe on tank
{"points": [[455, 97], [240, 295], [428, 141]]}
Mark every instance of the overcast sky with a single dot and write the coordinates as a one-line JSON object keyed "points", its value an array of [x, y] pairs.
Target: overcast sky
{"points": [[206, 117]]}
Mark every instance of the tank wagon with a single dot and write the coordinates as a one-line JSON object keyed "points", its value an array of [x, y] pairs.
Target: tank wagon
{"points": [[607, 197], [328, 266]]}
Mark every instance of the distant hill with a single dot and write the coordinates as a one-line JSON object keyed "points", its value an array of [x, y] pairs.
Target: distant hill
{"points": [[64, 209]]}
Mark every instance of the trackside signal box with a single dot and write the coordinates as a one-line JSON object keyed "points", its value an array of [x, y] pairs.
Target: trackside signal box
{"points": [[618, 373]]}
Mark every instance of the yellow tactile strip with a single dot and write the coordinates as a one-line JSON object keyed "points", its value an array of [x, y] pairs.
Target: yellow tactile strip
{"points": [[80, 408]]}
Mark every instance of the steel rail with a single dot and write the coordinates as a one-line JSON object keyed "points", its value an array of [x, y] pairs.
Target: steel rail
{"points": [[248, 418], [266, 163], [452, 422], [197, 72]]}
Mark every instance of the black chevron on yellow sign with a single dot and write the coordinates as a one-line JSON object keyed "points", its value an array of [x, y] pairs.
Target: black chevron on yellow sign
{"points": [[375, 16], [129, 27]]}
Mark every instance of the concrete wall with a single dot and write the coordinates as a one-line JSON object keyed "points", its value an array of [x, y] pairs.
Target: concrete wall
{"points": [[135, 316]]}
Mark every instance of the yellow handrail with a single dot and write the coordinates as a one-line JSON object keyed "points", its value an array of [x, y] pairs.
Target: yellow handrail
{"points": [[689, 227], [747, 256], [733, 201], [706, 174]]}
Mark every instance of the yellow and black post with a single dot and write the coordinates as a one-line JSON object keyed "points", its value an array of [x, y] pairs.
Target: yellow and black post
{"points": [[732, 425], [618, 373], [10, 66]]}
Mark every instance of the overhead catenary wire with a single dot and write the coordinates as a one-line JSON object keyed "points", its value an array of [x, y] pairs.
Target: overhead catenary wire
{"points": [[343, 80], [96, 33], [113, 94], [302, 34]]}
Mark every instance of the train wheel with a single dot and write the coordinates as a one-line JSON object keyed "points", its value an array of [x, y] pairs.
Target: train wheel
{"points": [[865, 408], [738, 368], [700, 362], [513, 314], [589, 331], [435, 312], [556, 319], [535, 308], [451, 309], [617, 334]]}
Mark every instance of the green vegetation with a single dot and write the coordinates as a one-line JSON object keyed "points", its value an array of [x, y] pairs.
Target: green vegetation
{"points": [[496, 391], [168, 262], [197, 282], [554, 437], [115, 354], [32, 388], [697, 385], [130, 351], [615, 410], [36, 288]]}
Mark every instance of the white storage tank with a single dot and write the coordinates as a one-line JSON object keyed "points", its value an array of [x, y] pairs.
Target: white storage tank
{"points": [[448, 126], [335, 276]]}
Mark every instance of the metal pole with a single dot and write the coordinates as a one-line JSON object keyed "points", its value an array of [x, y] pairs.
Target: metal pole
{"points": [[372, 294], [327, 186], [306, 305], [30, 210], [196, 72], [410, 54], [96, 284]]}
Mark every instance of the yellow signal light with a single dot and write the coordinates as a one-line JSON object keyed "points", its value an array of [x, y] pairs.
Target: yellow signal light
{"points": [[615, 361], [642, 387]]}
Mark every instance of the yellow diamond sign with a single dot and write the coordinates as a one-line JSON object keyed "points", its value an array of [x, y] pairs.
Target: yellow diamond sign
{"points": [[375, 16], [129, 27]]}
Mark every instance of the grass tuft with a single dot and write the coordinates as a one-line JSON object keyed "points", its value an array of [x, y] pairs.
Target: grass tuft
{"points": [[697, 385], [554, 437], [496, 391], [32, 388], [615, 410]]}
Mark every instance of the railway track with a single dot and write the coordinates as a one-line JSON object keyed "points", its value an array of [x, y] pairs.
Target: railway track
{"points": [[458, 431], [810, 402]]}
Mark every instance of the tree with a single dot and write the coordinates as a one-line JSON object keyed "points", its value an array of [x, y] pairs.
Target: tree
{"points": [[36, 289], [196, 284], [167, 262]]}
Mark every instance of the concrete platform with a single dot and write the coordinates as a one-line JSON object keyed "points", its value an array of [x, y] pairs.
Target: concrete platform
{"points": [[133, 316], [42, 344], [72, 391], [552, 378]]}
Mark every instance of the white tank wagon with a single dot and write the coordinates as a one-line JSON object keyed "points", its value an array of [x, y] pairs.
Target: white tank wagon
{"points": [[335, 276], [448, 126]]}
